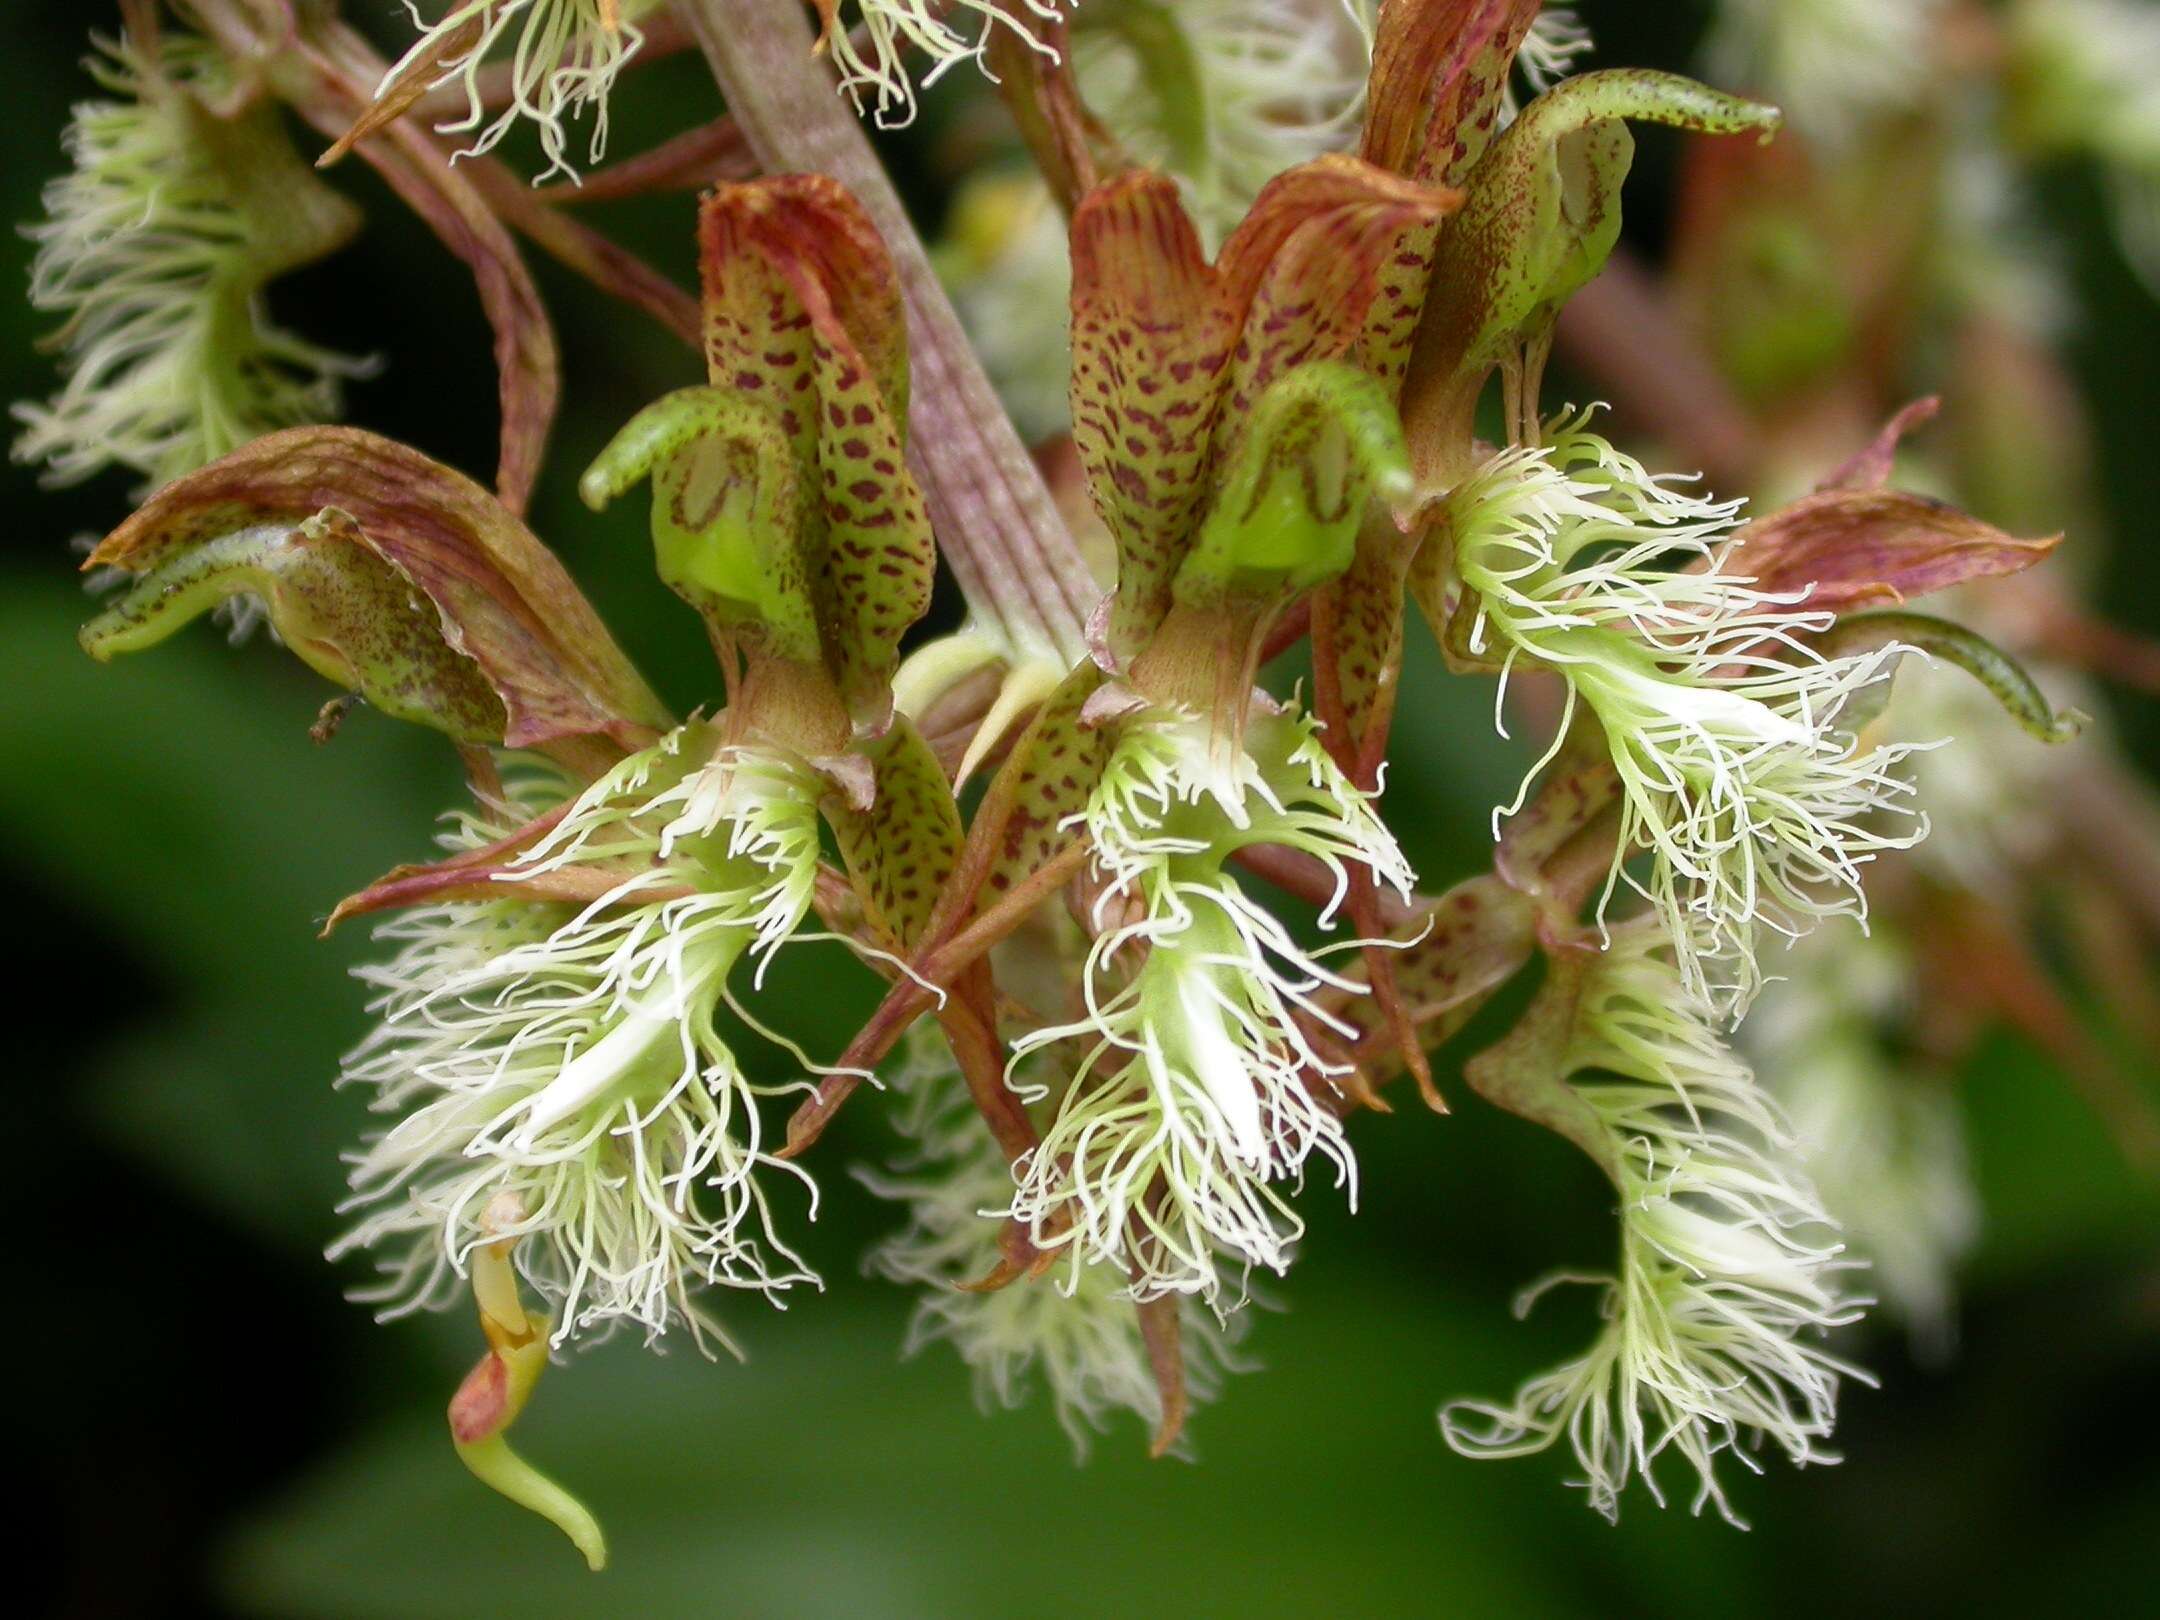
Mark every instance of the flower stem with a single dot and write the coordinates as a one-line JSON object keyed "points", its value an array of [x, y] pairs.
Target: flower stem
{"points": [[912, 996], [996, 523]]}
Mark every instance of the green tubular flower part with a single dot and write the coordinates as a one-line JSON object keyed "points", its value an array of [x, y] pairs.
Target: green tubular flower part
{"points": [[564, 56], [1756, 810], [155, 250], [1083, 1342], [487, 1405], [1885, 1145], [1194, 1110], [1834, 66], [1728, 1266], [571, 1058]]}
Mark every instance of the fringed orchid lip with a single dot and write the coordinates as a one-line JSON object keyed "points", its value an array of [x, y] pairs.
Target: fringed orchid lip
{"points": [[1202, 1096], [1755, 806], [571, 1059], [1079, 1335], [1728, 1267]]}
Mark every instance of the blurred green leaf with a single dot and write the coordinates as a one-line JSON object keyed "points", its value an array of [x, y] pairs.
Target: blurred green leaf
{"points": [[181, 803], [824, 1478]]}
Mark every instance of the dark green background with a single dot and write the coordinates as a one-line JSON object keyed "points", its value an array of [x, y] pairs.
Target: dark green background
{"points": [[200, 1425]]}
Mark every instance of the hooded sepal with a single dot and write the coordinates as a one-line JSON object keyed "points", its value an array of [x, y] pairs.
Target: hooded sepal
{"points": [[1439, 70], [1172, 356], [392, 575], [1151, 337], [1432, 107], [803, 314], [1542, 215], [1314, 269]]}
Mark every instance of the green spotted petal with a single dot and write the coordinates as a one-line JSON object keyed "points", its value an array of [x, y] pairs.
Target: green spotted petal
{"points": [[345, 612], [315, 504], [1310, 271]]}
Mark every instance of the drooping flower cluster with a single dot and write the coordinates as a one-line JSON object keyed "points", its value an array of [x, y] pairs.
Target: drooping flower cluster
{"points": [[1754, 808], [1265, 357], [567, 1058], [1728, 1267], [155, 249], [1083, 1340], [1201, 1096]]}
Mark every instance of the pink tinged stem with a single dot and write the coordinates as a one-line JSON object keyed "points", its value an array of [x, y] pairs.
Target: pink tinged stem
{"points": [[322, 90]]}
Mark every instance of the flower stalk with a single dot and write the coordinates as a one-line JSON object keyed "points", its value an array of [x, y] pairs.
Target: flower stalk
{"points": [[496, 1391]]}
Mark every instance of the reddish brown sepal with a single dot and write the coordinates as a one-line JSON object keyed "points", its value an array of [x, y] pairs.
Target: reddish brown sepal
{"points": [[1845, 549], [504, 600], [1439, 67]]}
